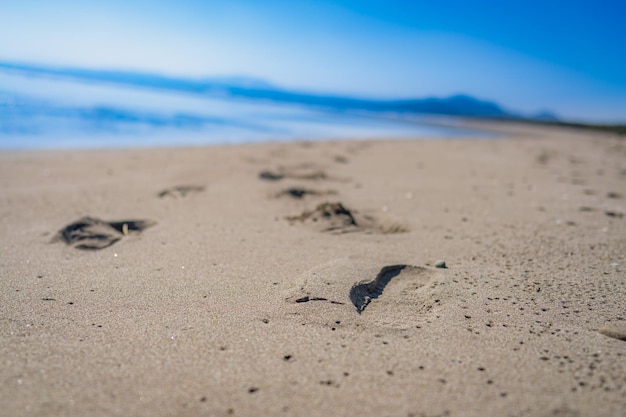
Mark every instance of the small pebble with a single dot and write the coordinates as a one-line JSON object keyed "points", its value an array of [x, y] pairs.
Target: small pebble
{"points": [[440, 264]]}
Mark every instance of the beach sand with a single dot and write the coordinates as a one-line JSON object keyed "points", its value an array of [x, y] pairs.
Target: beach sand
{"points": [[303, 279]]}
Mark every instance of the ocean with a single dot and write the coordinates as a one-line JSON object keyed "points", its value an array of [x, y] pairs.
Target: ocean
{"points": [[55, 112]]}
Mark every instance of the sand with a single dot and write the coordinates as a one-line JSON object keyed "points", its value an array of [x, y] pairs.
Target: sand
{"points": [[299, 279]]}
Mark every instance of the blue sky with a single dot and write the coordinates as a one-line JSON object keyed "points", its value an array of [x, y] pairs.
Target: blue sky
{"points": [[566, 56]]}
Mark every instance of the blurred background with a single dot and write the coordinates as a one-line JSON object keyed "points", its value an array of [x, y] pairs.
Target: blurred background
{"points": [[191, 72]]}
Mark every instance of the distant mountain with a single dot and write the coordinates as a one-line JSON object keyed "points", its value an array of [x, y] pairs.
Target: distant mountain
{"points": [[251, 89], [459, 105], [545, 116]]}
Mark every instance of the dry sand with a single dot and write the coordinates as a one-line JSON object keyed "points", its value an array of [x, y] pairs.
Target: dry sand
{"points": [[299, 279]]}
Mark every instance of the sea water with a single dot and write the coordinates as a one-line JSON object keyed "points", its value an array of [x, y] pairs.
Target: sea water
{"points": [[48, 113]]}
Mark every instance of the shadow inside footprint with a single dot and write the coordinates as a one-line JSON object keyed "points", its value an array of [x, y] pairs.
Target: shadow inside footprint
{"points": [[90, 233], [180, 191], [300, 193], [363, 293], [271, 176]]}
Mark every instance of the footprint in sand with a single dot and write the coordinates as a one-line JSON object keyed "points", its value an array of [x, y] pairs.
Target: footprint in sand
{"points": [[353, 291], [336, 218], [300, 193], [306, 172], [280, 174], [90, 233], [180, 191]]}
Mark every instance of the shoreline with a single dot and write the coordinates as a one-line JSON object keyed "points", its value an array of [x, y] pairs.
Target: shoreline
{"points": [[331, 127], [467, 128]]}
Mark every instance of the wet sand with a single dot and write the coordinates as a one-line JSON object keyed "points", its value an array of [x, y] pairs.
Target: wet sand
{"points": [[303, 279]]}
